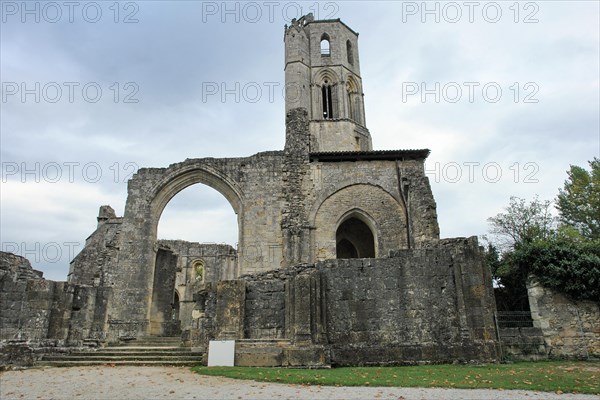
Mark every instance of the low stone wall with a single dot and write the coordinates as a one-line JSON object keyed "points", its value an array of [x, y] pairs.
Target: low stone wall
{"points": [[571, 329], [19, 354]]}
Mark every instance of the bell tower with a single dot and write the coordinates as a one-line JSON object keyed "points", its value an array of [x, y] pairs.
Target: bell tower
{"points": [[322, 75]]}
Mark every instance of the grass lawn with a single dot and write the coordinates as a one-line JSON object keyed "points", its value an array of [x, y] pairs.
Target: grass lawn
{"points": [[554, 376]]}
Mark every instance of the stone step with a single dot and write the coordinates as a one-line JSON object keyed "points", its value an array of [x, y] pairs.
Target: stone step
{"points": [[141, 349], [150, 342], [187, 353], [158, 338], [262, 343], [59, 363], [133, 357]]}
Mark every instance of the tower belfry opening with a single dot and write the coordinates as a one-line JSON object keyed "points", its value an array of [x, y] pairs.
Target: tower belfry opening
{"points": [[325, 46]]}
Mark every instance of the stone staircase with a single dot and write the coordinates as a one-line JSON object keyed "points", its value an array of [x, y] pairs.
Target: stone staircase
{"points": [[141, 351]]}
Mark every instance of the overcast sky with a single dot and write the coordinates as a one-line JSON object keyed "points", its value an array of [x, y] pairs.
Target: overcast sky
{"points": [[91, 91]]}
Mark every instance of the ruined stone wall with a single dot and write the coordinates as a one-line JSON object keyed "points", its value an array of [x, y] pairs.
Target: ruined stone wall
{"points": [[434, 303], [219, 261], [97, 262], [288, 210], [163, 318], [88, 316], [269, 298], [571, 329], [33, 308], [30, 306], [197, 263], [253, 187], [396, 195], [431, 304]]}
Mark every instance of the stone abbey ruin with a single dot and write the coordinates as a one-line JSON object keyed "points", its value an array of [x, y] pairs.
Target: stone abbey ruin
{"points": [[339, 260]]}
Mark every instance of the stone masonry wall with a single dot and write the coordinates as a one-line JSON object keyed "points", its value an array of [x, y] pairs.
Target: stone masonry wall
{"points": [[197, 264], [30, 306], [396, 193], [432, 304], [571, 329], [93, 265], [277, 197], [162, 321], [253, 187], [34, 309]]}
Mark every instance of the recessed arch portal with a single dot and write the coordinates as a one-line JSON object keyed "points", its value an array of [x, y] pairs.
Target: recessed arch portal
{"points": [[379, 210]]}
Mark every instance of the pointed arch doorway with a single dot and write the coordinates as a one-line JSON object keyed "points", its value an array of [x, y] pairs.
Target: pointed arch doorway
{"points": [[354, 239]]}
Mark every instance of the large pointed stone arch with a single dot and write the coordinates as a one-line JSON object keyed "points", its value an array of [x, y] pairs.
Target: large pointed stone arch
{"points": [[149, 191], [177, 179]]}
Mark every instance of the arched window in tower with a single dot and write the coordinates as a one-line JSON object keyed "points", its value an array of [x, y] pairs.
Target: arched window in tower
{"points": [[325, 45], [327, 100], [349, 52], [354, 101], [351, 101], [354, 239]]}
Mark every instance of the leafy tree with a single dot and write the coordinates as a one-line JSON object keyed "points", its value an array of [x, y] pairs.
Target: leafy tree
{"points": [[522, 222], [562, 258], [565, 258], [567, 266], [579, 201], [510, 287]]}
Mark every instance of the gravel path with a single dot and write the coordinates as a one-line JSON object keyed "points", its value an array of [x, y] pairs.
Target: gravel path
{"points": [[87, 383]]}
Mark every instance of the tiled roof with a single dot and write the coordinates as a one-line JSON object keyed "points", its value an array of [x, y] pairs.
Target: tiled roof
{"points": [[392, 155]]}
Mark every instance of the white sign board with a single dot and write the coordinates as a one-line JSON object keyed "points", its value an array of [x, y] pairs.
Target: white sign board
{"points": [[221, 353]]}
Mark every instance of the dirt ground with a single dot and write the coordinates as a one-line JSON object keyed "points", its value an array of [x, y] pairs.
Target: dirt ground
{"points": [[87, 383]]}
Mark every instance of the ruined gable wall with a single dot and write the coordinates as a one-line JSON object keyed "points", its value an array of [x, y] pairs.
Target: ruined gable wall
{"points": [[253, 187], [97, 262]]}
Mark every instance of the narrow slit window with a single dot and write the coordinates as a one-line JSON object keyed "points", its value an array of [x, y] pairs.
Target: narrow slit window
{"points": [[349, 53], [327, 101]]}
